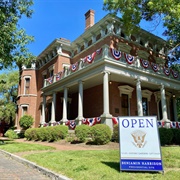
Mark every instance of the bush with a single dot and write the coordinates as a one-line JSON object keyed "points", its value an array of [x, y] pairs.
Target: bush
{"points": [[42, 134], [31, 134], [11, 134], [166, 136], [176, 136], [62, 131], [101, 134], [115, 136], [26, 121], [82, 132]]}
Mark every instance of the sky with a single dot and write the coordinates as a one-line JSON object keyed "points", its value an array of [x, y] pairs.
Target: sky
{"points": [[62, 18]]}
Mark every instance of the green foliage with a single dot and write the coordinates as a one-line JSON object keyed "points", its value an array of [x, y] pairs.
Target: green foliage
{"points": [[82, 132], [133, 12], [101, 134], [31, 134], [166, 136], [26, 121], [42, 134], [11, 134], [13, 37], [62, 131], [115, 135], [176, 136], [8, 94]]}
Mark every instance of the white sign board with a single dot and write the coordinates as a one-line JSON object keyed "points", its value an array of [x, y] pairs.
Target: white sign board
{"points": [[139, 144]]}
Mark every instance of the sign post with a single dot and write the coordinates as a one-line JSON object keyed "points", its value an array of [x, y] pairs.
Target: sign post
{"points": [[139, 144]]}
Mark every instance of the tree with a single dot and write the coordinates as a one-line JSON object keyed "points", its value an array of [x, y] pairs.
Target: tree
{"points": [[134, 11], [13, 38], [8, 95]]}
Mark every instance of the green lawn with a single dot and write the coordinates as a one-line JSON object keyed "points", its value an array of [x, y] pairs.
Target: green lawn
{"points": [[98, 164]]}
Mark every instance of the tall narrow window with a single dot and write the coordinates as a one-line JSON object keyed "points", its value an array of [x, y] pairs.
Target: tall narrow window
{"points": [[24, 110], [124, 105], [51, 73], [27, 85], [145, 106]]}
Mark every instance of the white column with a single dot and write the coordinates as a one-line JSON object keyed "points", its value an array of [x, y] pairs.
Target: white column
{"points": [[106, 93], [175, 108], [163, 103], [64, 119], [139, 97], [80, 103], [43, 110], [53, 108]]}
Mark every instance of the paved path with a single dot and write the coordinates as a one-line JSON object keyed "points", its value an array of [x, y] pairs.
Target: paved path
{"points": [[10, 169]]}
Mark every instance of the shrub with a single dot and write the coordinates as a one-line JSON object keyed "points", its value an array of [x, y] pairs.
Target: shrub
{"points": [[82, 132], [166, 136], [42, 133], [115, 135], [176, 137], [31, 134], [61, 131], [26, 121], [11, 134], [101, 134]]}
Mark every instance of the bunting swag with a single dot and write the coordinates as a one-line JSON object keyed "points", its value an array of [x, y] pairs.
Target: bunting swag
{"points": [[50, 80], [166, 71], [98, 51], [115, 53], [144, 63], [129, 59], [115, 120], [90, 58], [91, 121], [175, 74], [74, 67], [58, 76], [155, 67], [71, 124]]}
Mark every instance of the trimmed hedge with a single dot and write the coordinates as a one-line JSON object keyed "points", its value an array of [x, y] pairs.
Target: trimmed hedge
{"points": [[26, 121], [11, 134], [101, 134], [50, 133], [115, 135], [82, 132], [166, 136]]}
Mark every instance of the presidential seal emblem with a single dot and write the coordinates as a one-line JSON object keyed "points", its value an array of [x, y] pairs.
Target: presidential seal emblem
{"points": [[139, 138]]}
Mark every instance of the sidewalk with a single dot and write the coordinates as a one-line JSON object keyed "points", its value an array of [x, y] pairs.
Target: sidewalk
{"points": [[13, 167]]}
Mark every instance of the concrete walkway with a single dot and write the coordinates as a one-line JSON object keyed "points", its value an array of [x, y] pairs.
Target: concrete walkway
{"points": [[13, 167]]}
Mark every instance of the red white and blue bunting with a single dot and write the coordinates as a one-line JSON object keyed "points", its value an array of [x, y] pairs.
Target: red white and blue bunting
{"points": [[155, 67], [91, 121], [50, 80], [98, 51], [175, 74], [90, 58], [167, 71], [129, 58], [71, 124], [115, 120], [116, 54], [58, 76], [74, 67], [144, 63]]}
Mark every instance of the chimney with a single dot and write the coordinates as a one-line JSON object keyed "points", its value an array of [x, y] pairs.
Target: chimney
{"points": [[89, 16]]}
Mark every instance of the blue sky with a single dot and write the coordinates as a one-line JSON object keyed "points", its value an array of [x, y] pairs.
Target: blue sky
{"points": [[62, 18]]}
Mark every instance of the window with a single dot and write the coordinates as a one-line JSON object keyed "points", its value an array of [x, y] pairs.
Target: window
{"points": [[124, 105], [51, 73], [27, 85], [24, 110], [145, 106]]}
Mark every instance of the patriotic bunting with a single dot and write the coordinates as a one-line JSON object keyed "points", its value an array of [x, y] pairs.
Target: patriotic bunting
{"points": [[58, 76], [98, 51], [155, 67], [144, 63], [74, 67], [175, 74], [166, 71], [91, 121], [90, 58], [50, 80], [115, 120], [116, 54], [71, 124], [98, 120], [129, 59]]}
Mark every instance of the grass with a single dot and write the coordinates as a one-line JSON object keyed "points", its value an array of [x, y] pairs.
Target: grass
{"points": [[96, 164]]}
